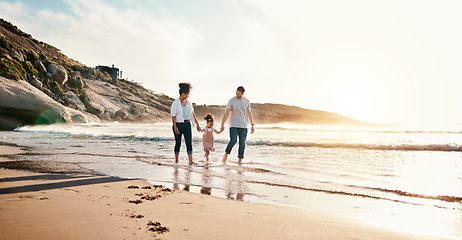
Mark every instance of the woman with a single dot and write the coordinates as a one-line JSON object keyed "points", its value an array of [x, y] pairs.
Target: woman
{"points": [[182, 111]]}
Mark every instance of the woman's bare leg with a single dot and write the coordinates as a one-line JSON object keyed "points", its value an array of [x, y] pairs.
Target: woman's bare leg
{"points": [[190, 159]]}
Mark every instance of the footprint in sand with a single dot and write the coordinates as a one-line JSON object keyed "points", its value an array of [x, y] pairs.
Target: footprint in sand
{"points": [[151, 198], [137, 201], [157, 227]]}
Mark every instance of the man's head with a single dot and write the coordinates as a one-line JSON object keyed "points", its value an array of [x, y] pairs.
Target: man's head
{"points": [[240, 92]]}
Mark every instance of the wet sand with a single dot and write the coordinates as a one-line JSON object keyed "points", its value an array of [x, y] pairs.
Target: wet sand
{"points": [[78, 206]]}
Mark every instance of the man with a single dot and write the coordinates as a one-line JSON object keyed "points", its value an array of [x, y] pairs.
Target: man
{"points": [[239, 109]]}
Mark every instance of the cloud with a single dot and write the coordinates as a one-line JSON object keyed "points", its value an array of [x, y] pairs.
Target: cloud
{"points": [[368, 60], [160, 48], [146, 48]]}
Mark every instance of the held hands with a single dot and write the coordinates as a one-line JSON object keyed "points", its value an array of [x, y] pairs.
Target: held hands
{"points": [[199, 129], [252, 130]]}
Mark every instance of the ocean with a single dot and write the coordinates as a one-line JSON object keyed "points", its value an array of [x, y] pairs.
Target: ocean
{"points": [[403, 178]]}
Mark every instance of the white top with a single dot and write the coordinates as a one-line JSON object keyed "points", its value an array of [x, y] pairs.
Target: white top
{"points": [[186, 112], [176, 110], [239, 116]]}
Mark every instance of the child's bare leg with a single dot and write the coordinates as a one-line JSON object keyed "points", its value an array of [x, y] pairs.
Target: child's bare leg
{"points": [[207, 155]]}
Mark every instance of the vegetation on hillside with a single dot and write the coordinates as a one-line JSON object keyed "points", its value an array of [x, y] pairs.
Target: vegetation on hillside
{"points": [[19, 51], [16, 61]]}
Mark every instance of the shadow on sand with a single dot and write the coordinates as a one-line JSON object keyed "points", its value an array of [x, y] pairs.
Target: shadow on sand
{"points": [[74, 182]]}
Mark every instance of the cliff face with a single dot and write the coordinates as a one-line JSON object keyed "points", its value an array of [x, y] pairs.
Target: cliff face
{"points": [[22, 103], [67, 84], [38, 80]]}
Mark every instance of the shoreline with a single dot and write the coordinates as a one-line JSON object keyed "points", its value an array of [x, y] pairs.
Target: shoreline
{"points": [[82, 206]]}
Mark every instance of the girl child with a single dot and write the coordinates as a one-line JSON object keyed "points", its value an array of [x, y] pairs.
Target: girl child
{"points": [[207, 138]]}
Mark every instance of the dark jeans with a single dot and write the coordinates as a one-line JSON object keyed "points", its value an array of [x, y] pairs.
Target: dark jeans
{"points": [[233, 134], [185, 129]]}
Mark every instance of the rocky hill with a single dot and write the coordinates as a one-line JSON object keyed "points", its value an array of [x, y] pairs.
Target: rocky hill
{"points": [[40, 85], [36, 78], [266, 113]]}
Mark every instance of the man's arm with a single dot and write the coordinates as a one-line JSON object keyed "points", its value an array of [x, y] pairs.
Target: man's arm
{"points": [[251, 121], [225, 118]]}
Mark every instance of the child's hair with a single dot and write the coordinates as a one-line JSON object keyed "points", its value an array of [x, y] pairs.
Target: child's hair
{"points": [[185, 87], [209, 117]]}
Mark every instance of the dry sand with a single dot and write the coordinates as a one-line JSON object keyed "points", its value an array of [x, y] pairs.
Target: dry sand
{"points": [[52, 206]]}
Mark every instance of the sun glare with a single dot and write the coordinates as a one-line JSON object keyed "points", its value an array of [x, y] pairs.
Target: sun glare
{"points": [[354, 92], [432, 179]]}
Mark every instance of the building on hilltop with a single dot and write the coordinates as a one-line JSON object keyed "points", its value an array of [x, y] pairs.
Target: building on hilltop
{"points": [[112, 71]]}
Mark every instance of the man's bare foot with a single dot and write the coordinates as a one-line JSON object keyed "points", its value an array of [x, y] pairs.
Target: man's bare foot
{"points": [[225, 157], [239, 160]]}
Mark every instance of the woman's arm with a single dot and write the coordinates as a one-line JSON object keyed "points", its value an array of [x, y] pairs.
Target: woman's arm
{"points": [[197, 122], [175, 128]]}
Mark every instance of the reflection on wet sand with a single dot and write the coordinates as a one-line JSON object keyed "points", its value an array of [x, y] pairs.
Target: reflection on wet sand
{"points": [[176, 179], [235, 183], [233, 176], [206, 180]]}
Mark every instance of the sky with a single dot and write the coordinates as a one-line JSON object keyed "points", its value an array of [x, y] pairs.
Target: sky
{"points": [[375, 61]]}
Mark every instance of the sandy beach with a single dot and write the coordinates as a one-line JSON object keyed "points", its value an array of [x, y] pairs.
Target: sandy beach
{"points": [[74, 206]]}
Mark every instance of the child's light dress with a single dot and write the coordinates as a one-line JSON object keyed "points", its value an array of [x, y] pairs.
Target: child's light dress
{"points": [[207, 139]]}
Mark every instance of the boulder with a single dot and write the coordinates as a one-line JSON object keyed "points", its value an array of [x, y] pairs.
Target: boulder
{"points": [[77, 74], [145, 117], [34, 81], [40, 67], [21, 103], [103, 77], [93, 104], [18, 55], [59, 75], [105, 116], [73, 100], [137, 110], [8, 123], [47, 92], [77, 81], [121, 115], [90, 71], [71, 103]]}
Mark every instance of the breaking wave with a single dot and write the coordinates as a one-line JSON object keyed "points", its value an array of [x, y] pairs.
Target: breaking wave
{"points": [[138, 133], [396, 147]]}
